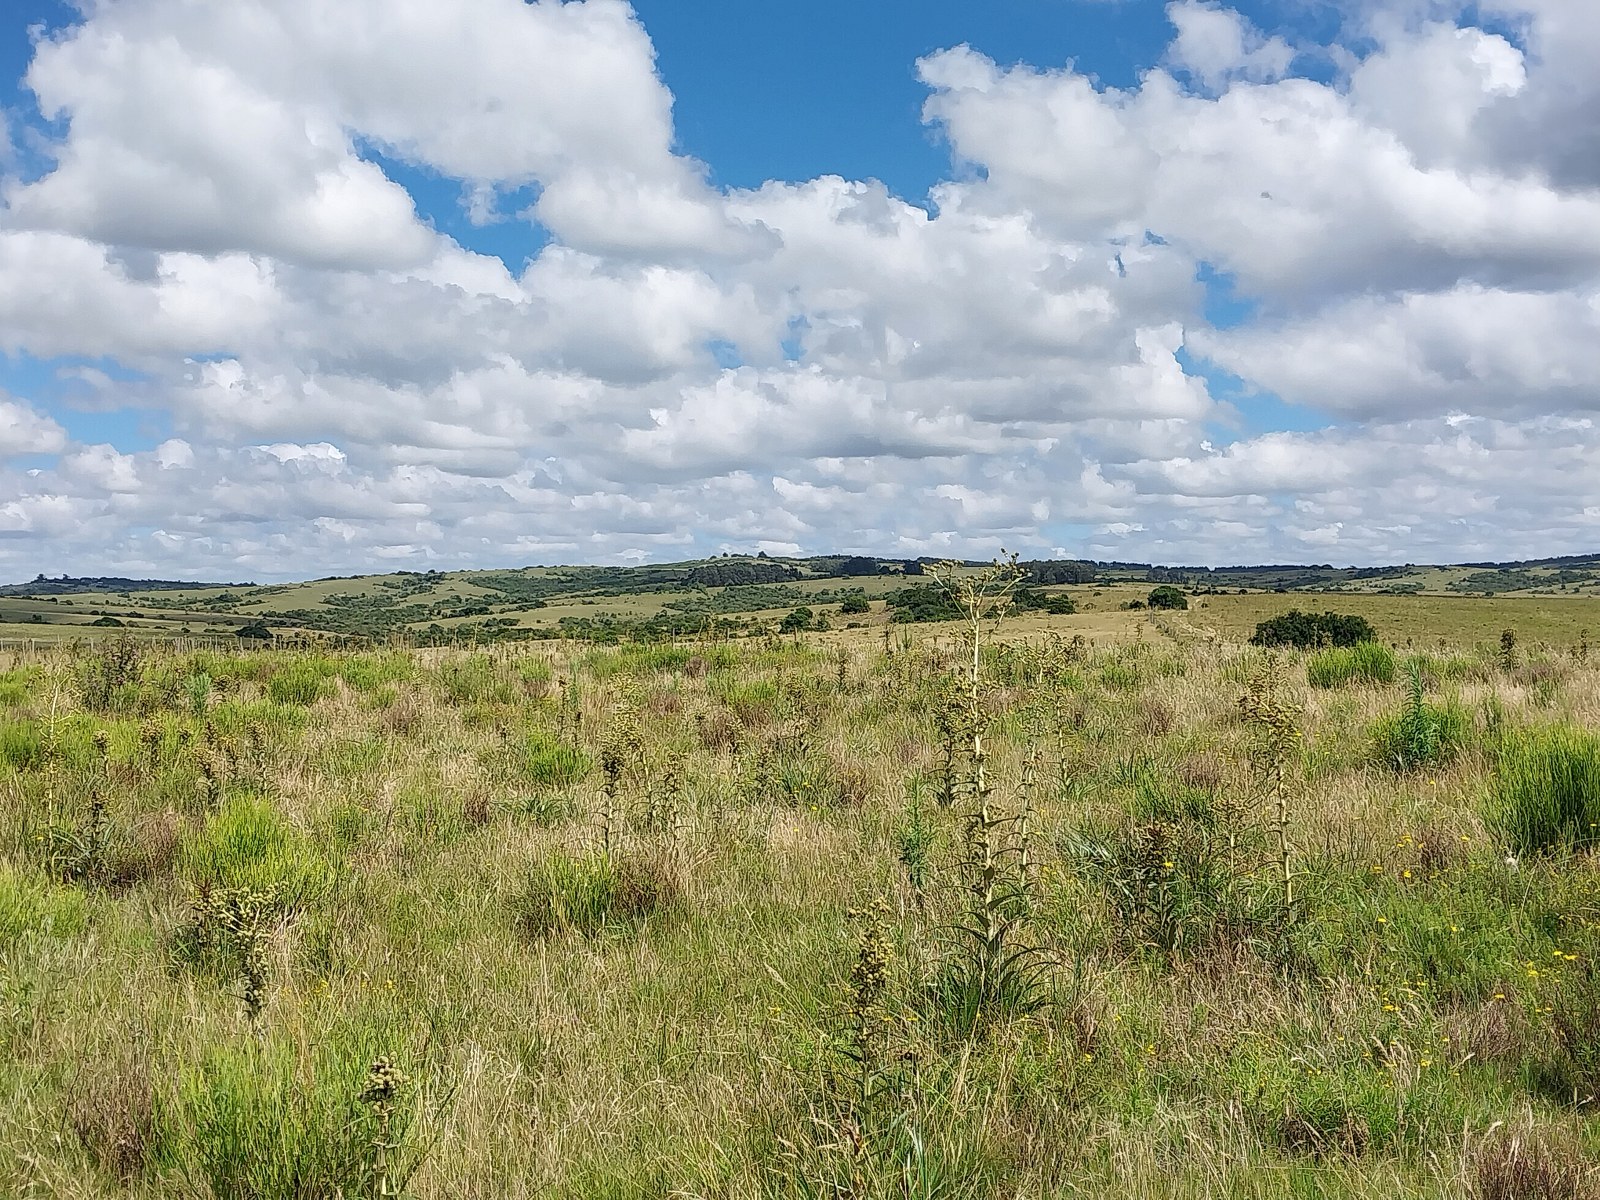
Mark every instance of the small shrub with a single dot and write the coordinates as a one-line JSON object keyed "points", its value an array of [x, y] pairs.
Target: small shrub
{"points": [[1546, 790], [108, 680]]}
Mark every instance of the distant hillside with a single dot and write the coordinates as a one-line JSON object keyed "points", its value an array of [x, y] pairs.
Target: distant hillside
{"points": [[66, 585]]}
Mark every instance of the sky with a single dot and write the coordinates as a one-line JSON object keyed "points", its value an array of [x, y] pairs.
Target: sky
{"points": [[290, 289]]}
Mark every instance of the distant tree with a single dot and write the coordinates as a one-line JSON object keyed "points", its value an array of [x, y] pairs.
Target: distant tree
{"points": [[854, 605], [922, 603], [256, 630], [739, 572], [1054, 603], [798, 621], [1167, 596], [911, 567], [858, 565], [1058, 570], [107, 623]]}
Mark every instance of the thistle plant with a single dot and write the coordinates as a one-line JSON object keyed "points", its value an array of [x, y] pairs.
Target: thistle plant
{"points": [[1275, 731], [915, 839], [993, 969], [384, 1084], [232, 926], [622, 746], [571, 711], [1508, 649]]}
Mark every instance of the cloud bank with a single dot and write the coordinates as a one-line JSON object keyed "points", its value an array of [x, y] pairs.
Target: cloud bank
{"points": [[216, 235]]}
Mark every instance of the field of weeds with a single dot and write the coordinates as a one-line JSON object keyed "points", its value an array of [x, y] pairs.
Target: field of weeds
{"points": [[780, 918]]}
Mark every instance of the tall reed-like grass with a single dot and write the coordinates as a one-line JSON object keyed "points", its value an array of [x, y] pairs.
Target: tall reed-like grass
{"points": [[1338, 666], [1545, 793]]}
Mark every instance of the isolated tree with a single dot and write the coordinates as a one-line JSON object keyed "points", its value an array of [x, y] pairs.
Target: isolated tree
{"points": [[797, 621], [1167, 596]]}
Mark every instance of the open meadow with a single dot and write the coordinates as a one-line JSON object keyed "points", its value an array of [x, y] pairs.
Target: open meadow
{"points": [[1121, 906]]}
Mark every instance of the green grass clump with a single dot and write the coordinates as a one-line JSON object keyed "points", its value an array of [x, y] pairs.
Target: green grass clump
{"points": [[1545, 793], [301, 682], [14, 687], [474, 680], [549, 763], [30, 903], [1365, 662], [595, 893], [21, 745], [280, 1119], [248, 844], [1325, 1105], [1420, 734], [368, 672]]}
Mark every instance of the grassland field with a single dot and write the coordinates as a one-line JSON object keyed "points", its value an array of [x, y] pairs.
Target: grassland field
{"points": [[1140, 911]]}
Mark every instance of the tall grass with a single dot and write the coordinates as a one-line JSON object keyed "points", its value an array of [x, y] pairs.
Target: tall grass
{"points": [[1365, 662], [1421, 734], [1545, 793]]}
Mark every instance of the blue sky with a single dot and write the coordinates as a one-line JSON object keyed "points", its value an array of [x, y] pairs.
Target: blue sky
{"points": [[1182, 281]]}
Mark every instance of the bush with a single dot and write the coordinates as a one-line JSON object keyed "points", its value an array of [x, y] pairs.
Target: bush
{"points": [[855, 605], [1365, 662], [1307, 630], [922, 603], [109, 679], [1167, 596], [1054, 603], [798, 621], [1546, 790]]}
